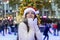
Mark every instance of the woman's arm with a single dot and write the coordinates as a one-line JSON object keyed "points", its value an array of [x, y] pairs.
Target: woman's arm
{"points": [[37, 30], [38, 33], [22, 32]]}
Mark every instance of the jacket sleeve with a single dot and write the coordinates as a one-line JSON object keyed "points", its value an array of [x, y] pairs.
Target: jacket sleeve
{"points": [[22, 31], [38, 33]]}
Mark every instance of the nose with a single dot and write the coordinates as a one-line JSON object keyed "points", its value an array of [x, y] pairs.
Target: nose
{"points": [[30, 13]]}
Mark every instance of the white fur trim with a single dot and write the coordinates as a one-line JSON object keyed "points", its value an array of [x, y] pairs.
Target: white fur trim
{"points": [[27, 10]]}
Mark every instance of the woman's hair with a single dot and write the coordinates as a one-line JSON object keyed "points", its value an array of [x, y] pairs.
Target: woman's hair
{"points": [[26, 22]]}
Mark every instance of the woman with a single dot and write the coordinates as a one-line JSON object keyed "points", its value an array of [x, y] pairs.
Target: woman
{"points": [[28, 29]]}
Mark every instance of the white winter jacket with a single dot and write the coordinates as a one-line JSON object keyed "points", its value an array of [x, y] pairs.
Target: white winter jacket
{"points": [[24, 35]]}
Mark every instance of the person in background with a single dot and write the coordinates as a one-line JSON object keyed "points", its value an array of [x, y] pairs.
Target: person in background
{"points": [[5, 26], [0, 26], [55, 28], [58, 28], [46, 30], [11, 25], [16, 27], [42, 26]]}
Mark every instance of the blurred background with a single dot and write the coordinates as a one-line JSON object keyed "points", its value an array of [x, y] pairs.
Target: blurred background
{"points": [[11, 12]]}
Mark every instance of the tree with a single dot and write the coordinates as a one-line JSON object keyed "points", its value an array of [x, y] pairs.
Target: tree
{"points": [[57, 2], [14, 2]]}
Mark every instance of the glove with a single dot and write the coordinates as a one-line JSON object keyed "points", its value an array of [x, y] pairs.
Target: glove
{"points": [[30, 21], [35, 21]]}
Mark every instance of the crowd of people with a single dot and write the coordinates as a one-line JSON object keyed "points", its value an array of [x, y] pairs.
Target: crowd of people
{"points": [[8, 26], [53, 28], [29, 29]]}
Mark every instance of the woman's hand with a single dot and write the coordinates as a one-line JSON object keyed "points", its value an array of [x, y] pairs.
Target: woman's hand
{"points": [[30, 21], [35, 21]]}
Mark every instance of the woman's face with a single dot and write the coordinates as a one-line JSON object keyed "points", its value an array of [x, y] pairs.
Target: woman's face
{"points": [[30, 15]]}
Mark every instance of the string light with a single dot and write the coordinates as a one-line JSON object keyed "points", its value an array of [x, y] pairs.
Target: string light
{"points": [[50, 1]]}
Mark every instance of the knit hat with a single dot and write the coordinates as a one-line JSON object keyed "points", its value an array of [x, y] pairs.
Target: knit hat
{"points": [[28, 10]]}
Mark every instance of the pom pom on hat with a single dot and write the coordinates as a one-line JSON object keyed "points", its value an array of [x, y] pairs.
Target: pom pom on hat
{"points": [[37, 12]]}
